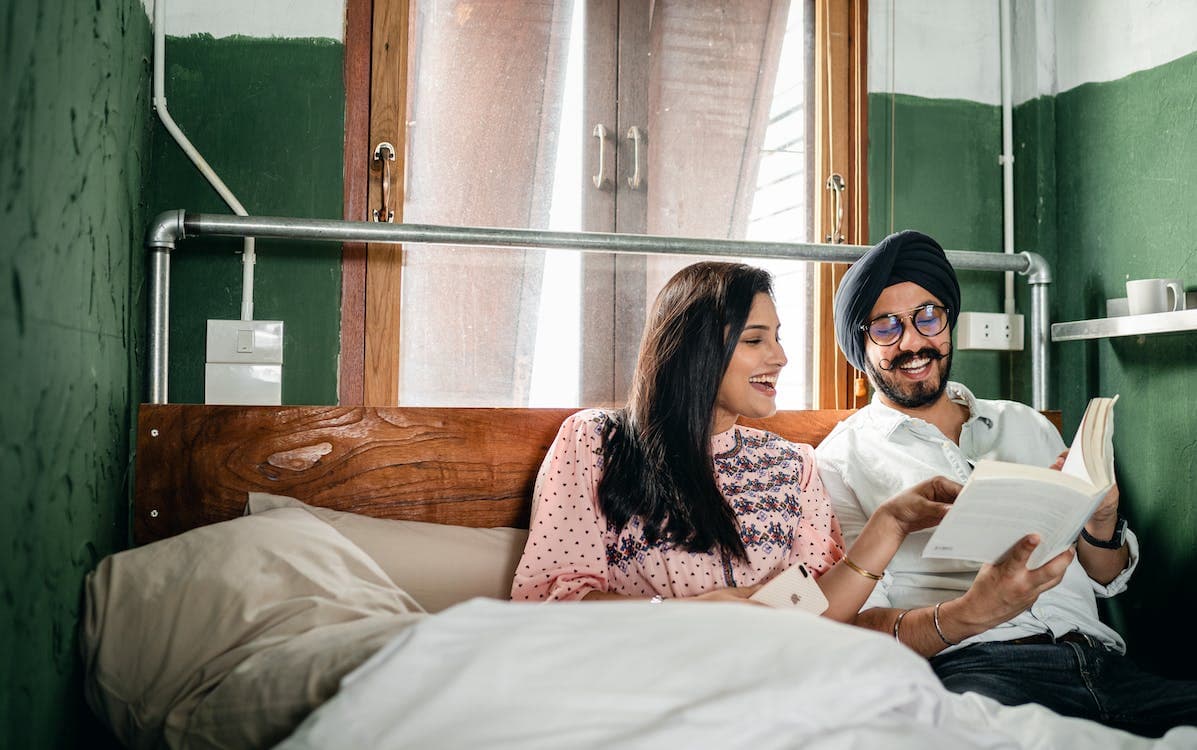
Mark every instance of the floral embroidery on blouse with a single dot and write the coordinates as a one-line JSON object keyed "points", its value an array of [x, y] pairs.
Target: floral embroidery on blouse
{"points": [[770, 483]]}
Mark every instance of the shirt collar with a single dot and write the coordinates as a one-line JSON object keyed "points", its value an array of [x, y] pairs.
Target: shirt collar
{"points": [[887, 419]]}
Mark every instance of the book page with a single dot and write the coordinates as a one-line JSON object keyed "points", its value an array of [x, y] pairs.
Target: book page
{"points": [[1091, 455], [1003, 502]]}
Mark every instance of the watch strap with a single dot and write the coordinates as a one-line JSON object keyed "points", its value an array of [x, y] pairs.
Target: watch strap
{"points": [[1114, 542]]}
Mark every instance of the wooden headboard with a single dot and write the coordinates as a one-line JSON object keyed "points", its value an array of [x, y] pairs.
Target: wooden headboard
{"points": [[463, 466], [470, 467]]}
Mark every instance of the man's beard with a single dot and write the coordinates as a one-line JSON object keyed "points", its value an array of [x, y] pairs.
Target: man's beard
{"points": [[920, 393]]}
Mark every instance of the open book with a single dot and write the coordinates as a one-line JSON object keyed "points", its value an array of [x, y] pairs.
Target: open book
{"points": [[1003, 502]]}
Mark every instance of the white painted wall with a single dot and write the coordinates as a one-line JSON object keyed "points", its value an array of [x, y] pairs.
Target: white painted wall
{"points": [[938, 49], [949, 49], [259, 18], [1103, 40], [1033, 66]]}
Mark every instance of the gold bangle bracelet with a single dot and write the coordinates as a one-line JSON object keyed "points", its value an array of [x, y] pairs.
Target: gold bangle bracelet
{"points": [[862, 571]]}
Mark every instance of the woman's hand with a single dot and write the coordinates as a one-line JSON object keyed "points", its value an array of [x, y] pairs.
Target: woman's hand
{"points": [[739, 594], [921, 506], [848, 585]]}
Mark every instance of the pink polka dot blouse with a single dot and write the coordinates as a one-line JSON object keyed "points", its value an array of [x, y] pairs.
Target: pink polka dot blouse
{"points": [[772, 484]]}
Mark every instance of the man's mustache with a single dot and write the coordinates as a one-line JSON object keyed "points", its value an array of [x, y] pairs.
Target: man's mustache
{"points": [[930, 353]]}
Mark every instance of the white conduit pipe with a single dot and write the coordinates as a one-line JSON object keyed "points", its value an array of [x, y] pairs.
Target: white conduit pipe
{"points": [[247, 256], [1007, 157]]}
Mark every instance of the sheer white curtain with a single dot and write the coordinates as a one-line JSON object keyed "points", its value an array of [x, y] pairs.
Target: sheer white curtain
{"points": [[485, 93], [730, 156], [497, 136]]}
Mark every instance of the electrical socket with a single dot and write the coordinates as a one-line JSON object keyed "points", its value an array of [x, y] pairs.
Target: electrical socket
{"points": [[976, 330]]}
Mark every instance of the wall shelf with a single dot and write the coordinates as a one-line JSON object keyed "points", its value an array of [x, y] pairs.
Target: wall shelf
{"points": [[1126, 325]]}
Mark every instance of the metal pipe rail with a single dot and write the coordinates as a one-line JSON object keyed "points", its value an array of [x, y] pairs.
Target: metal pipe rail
{"points": [[171, 227]]}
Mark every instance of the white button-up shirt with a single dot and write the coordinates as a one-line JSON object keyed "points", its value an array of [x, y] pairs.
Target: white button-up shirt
{"points": [[878, 451]]}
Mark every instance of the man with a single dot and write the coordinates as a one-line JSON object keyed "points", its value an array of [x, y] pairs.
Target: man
{"points": [[1013, 634]]}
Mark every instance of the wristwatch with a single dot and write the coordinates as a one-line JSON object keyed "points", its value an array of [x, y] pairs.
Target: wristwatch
{"points": [[1115, 542]]}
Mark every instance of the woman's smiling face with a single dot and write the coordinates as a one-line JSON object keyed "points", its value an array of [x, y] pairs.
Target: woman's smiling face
{"points": [[749, 386]]}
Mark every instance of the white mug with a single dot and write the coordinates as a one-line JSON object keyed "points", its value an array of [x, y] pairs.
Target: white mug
{"points": [[1146, 296]]}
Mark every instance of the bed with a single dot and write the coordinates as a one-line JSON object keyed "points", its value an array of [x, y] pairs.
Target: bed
{"points": [[327, 577]]}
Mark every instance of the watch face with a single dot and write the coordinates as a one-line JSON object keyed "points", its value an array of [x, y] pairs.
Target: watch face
{"points": [[1119, 531]]}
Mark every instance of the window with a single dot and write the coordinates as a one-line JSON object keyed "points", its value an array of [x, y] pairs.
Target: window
{"points": [[709, 103]]}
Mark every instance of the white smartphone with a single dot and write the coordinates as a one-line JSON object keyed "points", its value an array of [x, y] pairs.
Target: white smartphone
{"points": [[793, 587]]}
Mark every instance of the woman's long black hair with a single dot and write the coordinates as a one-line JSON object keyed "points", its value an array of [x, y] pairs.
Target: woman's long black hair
{"points": [[657, 463]]}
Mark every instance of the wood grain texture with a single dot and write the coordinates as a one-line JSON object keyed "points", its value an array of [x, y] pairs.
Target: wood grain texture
{"points": [[384, 263], [463, 466], [472, 467], [358, 19], [841, 96]]}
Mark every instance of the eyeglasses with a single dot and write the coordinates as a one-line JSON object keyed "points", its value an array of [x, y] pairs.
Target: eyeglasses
{"points": [[887, 330]]}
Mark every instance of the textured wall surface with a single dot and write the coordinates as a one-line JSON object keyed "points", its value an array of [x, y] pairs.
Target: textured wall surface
{"points": [[1126, 156], [1104, 191], [933, 167], [73, 156], [268, 115]]}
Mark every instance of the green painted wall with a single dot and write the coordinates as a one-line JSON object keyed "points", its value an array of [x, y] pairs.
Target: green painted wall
{"points": [[1035, 230], [1126, 160], [933, 167], [74, 147], [268, 115], [1104, 190]]}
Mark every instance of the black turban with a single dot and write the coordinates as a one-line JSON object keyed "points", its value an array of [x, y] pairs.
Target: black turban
{"points": [[905, 256]]}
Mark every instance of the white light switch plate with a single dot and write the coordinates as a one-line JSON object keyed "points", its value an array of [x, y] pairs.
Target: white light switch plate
{"points": [[244, 362], [245, 341], [226, 383]]}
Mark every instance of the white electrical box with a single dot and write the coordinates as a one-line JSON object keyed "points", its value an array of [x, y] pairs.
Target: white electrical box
{"points": [[999, 331], [244, 362]]}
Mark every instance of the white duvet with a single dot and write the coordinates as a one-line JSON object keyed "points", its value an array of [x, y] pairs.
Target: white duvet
{"points": [[632, 674]]}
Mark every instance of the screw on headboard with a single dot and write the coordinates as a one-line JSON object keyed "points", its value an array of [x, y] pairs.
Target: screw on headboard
{"points": [[154, 432], [154, 513]]}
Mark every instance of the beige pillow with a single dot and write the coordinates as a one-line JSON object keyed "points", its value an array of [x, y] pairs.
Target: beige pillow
{"points": [[263, 700], [165, 623], [437, 564]]}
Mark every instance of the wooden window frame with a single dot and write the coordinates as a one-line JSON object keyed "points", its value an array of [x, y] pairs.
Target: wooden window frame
{"points": [[371, 277], [376, 37], [841, 125], [359, 17]]}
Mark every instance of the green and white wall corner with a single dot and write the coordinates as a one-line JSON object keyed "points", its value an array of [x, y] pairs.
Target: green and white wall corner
{"points": [[1105, 146]]}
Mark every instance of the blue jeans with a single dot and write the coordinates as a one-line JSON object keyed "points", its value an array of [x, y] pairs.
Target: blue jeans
{"points": [[1071, 679]]}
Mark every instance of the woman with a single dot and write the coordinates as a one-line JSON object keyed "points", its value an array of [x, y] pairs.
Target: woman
{"points": [[670, 498]]}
